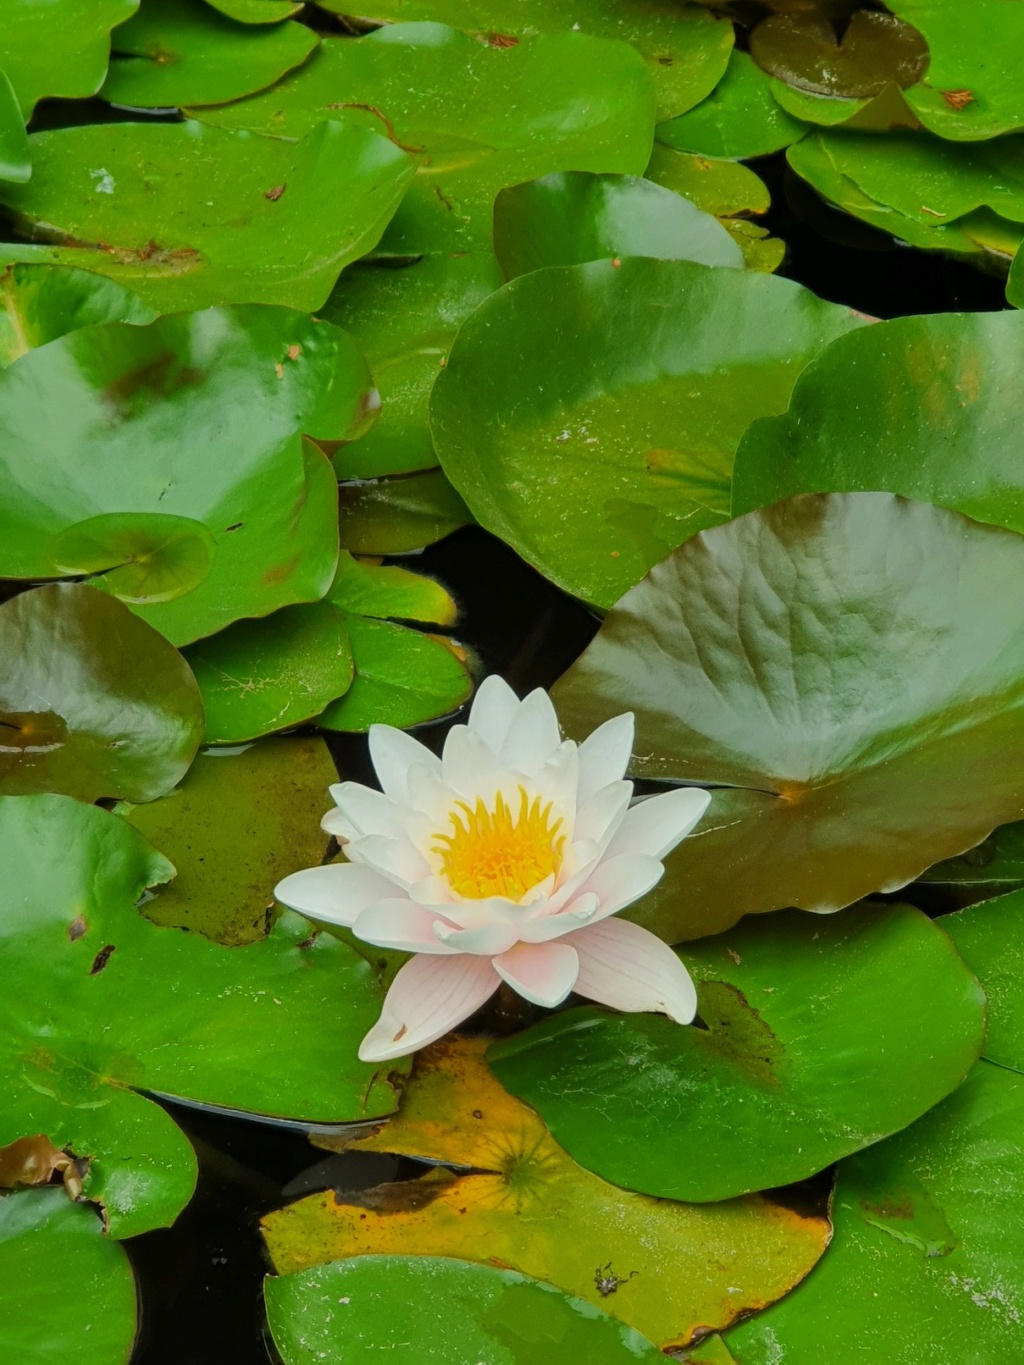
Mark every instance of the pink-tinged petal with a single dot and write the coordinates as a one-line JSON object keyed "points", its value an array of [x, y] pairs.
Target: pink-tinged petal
{"points": [[485, 939], [628, 968], [605, 755], [618, 882], [543, 973], [544, 928], [401, 925], [534, 736], [657, 823], [368, 811], [598, 819], [393, 753], [494, 709], [339, 892], [429, 996], [395, 859]]}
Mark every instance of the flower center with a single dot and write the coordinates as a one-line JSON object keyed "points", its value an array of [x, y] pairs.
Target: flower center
{"points": [[503, 852]]}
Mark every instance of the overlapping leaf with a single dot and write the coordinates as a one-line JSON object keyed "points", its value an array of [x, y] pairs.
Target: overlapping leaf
{"points": [[39, 303], [58, 48], [991, 939], [740, 118], [396, 516]]}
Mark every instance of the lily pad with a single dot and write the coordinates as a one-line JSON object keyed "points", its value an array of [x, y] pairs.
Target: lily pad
{"points": [[257, 11], [175, 52], [994, 866], [804, 51], [164, 462], [923, 406], [402, 678], [482, 117], [434, 1310], [619, 392], [827, 110], [686, 49], [823, 1036], [991, 939], [573, 217], [397, 516], [67, 1290], [740, 118], [260, 676], [190, 216], [58, 48], [828, 665], [928, 1246], [521, 1202], [365, 587], [93, 702], [15, 163], [100, 1004], [39, 303], [237, 824]]}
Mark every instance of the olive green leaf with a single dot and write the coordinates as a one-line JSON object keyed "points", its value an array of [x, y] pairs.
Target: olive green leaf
{"points": [[876, 50], [190, 216], [686, 49], [93, 701], [738, 119], [994, 866], [66, 1290], [572, 217], [39, 303], [991, 938], [823, 1036], [435, 1310], [925, 1263], [396, 516], [99, 1005], [164, 462], [619, 392], [239, 822], [923, 406], [175, 52], [59, 47], [847, 671], [15, 163], [365, 587], [814, 108]]}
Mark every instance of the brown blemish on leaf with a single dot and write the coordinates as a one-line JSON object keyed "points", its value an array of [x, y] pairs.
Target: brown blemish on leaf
{"points": [[501, 40], [279, 573], [101, 959], [388, 125], [77, 928], [958, 99], [275, 194], [29, 1161]]}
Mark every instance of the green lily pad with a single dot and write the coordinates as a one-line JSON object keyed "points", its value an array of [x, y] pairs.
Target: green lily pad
{"points": [[827, 110], [925, 1262], [686, 49], [100, 1004], [67, 1290], [402, 678], [573, 217], [164, 462], [923, 406], [58, 48], [257, 11], [237, 824], [619, 392], [190, 216], [260, 676], [39, 303], [738, 119], [93, 702], [433, 1310], [481, 117], [175, 52], [823, 1036], [847, 673], [397, 516], [365, 587], [876, 50], [996, 864], [15, 162], [991, 939]]}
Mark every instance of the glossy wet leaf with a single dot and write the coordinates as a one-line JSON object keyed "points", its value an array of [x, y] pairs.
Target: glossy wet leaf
{"points": [[175, 52], [847, 671], [925, 1265], [190, 216], [738, 119], [573, 217], [396, 516], [686, 49], [823, 1036], [875, 50], [58, 48], [93, 701], [365, 587], [523, 1203], [14, 154], [237, 824], [481, 117], [66, 1290], [100, 1004], [589, 415], [824, 109], [260, 676], [923, 406], [991, 939], [39, 303], [199, 503], [402, 678], [434, 1310]]}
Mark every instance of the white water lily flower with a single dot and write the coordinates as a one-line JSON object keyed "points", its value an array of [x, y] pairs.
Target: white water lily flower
{"points": [[504, 860]]}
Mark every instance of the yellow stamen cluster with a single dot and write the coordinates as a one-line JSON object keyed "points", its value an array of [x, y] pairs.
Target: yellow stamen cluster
{"points": [[503, 852]]}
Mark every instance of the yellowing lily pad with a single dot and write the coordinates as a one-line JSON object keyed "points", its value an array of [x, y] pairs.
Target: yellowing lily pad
{"points": [[39, 303], [365, 587]]}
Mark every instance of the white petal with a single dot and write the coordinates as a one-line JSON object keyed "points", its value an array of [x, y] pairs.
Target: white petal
{"points": [[605, 754], [429, 996], [543, 973], [534, 736], [335, 823], [339, 892], [628, 968], [399, 924], [619, 881], [471, 914], [543, 928], [368, 811], [393, 753], [601, 816], [493, 711], [395, 859], [657, 823], [469, 767], [487, 939]]}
